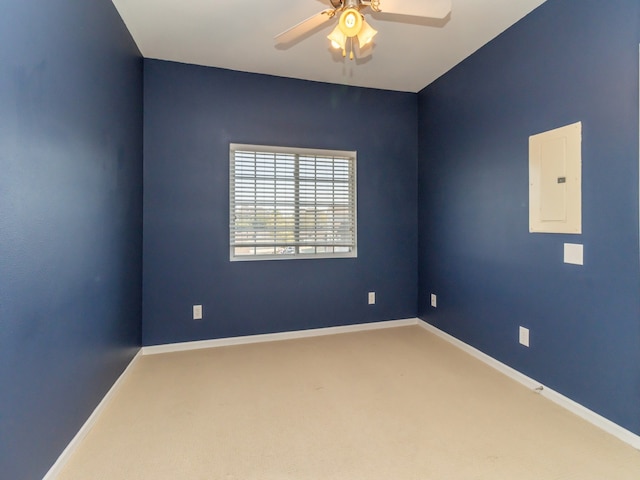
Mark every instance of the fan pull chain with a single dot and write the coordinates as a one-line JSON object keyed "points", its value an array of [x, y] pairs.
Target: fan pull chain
{"points": [[344, 50]]}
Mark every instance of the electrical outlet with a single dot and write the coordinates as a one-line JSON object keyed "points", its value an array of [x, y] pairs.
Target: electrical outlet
{"points": [[524, 336], [434, 300], [574, 253], [372, 298], [197, 312]]}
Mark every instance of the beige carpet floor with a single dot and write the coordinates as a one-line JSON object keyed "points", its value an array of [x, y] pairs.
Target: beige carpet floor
{"points": [[386, 404]]}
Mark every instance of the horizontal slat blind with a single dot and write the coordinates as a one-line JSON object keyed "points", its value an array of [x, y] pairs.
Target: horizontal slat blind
{"points": [[292, 202]]}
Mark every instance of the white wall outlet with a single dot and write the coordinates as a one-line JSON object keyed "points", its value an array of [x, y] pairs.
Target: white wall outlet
{"points": [[524, 336], [574, 253], [372, 298], [434, 300], [197, 312]]}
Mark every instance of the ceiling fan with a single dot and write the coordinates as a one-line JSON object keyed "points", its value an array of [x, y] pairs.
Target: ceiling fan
{"points": [[351, 22]]}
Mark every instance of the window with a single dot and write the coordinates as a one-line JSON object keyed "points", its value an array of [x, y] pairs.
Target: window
{"points": [[291, 203]]}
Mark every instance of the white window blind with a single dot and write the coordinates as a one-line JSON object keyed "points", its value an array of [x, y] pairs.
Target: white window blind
{"points": [[291, 203]]}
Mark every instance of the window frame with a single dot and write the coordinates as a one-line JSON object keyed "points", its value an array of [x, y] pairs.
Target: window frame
{"points": [[351, 155]]}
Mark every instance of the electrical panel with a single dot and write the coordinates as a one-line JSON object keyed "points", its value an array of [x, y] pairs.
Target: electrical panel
{"points": [[555, 180]]}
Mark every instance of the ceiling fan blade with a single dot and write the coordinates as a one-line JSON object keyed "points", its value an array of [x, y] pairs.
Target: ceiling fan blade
{"points": [[305, 26], [417, 8]]}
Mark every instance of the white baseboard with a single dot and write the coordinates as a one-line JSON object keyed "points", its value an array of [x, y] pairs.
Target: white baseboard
{"points": [[274, 337], [57, 467], [565, 402]]}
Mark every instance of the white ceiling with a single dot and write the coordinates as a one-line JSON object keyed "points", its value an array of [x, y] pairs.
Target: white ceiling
{"points": [[409, 53]]}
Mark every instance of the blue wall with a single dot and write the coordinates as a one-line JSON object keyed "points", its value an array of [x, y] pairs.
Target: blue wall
{"points": [[70, 221], [566, 62], [191, 115]]}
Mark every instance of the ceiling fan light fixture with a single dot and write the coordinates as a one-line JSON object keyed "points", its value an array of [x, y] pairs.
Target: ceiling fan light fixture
{"points": [[338, 39], [350, 22], [366, 34]]}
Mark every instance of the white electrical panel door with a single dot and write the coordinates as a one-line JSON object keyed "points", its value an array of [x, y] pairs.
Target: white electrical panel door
{"points": [[555, 180]]}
